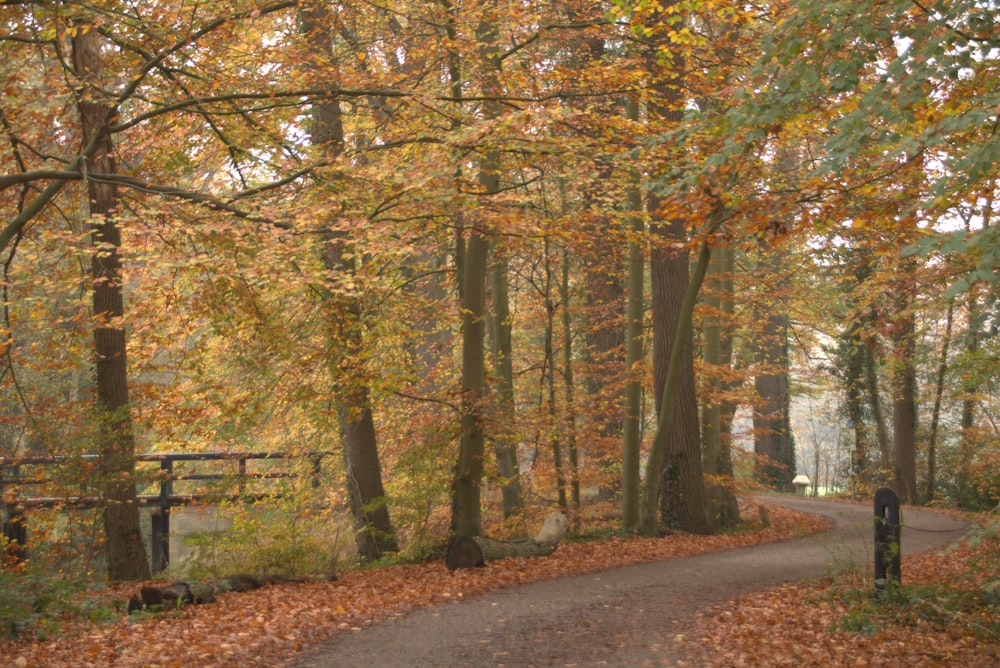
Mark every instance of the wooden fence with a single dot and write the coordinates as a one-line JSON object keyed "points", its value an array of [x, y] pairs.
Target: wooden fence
{"points": [[24, 474]]}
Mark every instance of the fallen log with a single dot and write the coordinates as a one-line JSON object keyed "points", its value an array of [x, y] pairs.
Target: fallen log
{"points": [[464, 552], [179, 594]]}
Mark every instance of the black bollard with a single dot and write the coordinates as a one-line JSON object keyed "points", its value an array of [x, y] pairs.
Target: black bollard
{"points": [[887, 533]]}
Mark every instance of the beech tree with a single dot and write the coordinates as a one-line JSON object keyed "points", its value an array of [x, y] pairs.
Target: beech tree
{"points": [[673, 293], [466, 508], [113, 73], [773, 438], [126, 553], [260, 161], [375, 535]]}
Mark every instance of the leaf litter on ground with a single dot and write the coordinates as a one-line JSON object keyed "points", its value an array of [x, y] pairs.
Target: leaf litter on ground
{"points": [[947, 613], [273, 626]]}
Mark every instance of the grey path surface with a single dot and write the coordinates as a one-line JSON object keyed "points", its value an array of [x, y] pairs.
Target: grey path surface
{"points": [[602, 619]]}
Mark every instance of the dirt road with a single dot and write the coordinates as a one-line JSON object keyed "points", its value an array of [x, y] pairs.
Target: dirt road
{"points": [[604, 619]]}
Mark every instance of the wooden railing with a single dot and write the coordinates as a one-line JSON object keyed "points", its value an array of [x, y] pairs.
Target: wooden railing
{"points": [[15, 481]]}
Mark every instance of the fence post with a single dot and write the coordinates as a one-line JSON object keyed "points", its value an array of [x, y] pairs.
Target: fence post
{"points": [[160, 531], [887, 535]]}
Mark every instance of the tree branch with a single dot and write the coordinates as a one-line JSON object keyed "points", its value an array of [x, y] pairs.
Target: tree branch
{"points": [[549, 28]]}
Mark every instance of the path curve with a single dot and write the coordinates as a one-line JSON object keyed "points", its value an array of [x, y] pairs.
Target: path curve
{"points": [[625, 616]]}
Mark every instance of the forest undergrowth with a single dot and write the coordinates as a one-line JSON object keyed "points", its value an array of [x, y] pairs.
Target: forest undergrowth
{"points": [[945, 615]]}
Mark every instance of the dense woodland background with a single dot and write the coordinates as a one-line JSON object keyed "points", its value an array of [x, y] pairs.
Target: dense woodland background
{"points": [[497, 257]]}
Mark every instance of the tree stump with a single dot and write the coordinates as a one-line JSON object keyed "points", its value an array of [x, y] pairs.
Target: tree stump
{"points": [[464, 552], [765, 516]]}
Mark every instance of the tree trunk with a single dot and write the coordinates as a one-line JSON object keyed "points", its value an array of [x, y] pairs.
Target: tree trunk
{"points": [[605, 338], [570, 410], [878, 414], [684, 464], [504, 440], [635, 311], [123, 541], [678, 461], [853, 385], [374, 533], [774, 444], [904, 411], [466, 518], [549, 380], [718, 410], [932, 437], [466, 513], [970, 383]]}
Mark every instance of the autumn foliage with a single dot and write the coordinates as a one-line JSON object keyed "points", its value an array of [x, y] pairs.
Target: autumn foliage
{"points": [[405, 233]]}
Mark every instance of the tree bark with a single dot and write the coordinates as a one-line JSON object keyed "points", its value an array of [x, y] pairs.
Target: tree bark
{"points": [[678, 462], [549, 380], [878, 413], [569, 397], [904, 411], [773, 441], [942, 370], [466, 518], [505, 446], [970, 383], [854, 370], [604, 335], [685, 464], [718, 410], [634, 314], [774, 444], [126, 552], [374, 533]]}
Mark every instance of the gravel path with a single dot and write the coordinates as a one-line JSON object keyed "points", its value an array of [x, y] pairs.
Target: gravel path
{"points": [[604, 619]]}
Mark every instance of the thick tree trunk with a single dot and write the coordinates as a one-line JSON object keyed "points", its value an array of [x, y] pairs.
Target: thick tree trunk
{"points": [[968, 443], [683, 464], [773, 440], [126, 553], [605, 338], [374, 535], [466, 518], [718, 411], [604, 331], [683, 501], [675, 457], [853, 389]]}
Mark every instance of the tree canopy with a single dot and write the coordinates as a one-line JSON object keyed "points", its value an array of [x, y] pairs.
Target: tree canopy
{"points": [[403, 232]]}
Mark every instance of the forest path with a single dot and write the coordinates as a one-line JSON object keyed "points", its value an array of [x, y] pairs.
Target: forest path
{"points": [[629, 616]]}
